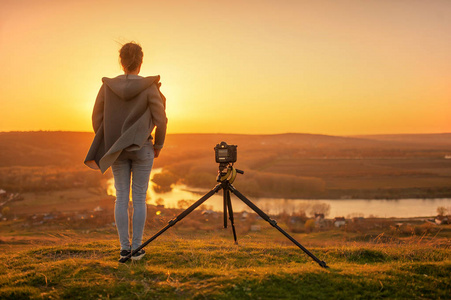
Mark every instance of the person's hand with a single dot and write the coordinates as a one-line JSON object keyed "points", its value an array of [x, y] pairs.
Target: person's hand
{"points": [[156, 152]]}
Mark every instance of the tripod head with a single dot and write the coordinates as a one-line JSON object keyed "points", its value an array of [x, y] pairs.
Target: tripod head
{"points": [[223, 167], [227, 172]]}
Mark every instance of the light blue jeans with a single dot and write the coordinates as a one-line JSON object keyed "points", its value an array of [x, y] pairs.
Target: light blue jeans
{"points": [[135, 165]]}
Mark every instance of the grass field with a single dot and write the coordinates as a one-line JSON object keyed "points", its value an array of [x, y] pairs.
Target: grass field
{"points": [[208, 265]]}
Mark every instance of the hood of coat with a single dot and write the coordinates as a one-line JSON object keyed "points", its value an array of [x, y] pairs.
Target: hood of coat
{"points": [[127, 87]]}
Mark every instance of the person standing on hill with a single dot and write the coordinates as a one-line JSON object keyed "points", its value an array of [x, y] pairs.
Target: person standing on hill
{"points": [[127, 109]]}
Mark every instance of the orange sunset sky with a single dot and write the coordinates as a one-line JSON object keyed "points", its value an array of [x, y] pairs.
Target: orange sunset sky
{"points": [[332, 67]]}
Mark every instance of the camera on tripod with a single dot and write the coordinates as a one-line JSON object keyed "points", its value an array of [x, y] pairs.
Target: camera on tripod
{"points": [[224, 153]]}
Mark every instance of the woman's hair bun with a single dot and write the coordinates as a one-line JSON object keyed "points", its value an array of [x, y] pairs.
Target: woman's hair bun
{"points": [[131, 55]]}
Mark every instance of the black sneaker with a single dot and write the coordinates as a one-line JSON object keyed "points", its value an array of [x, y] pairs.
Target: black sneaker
{"points": [[125, 253], [138, 255]]}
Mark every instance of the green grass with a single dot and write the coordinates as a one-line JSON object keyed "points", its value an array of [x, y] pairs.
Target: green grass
{"points": [[210, 266]]}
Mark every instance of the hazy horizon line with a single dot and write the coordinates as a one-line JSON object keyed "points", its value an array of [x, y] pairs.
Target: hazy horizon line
{"points": [[234, 133]]}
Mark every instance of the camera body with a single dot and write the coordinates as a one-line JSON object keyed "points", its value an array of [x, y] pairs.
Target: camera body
{"points": [[225, 153]]}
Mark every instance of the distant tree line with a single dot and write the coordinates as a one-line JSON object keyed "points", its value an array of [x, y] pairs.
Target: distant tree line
{"points": [[31, 179], [253, 183]]}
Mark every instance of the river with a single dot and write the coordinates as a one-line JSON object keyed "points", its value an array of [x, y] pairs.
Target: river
{"points": [[402, 208]]}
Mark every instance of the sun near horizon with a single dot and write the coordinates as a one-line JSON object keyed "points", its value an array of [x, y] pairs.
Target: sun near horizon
{"points": [[324, 67]]}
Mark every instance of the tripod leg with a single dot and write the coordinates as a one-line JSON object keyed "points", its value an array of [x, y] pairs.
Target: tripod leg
{"points": [[229, 204], [175, 220], [274, 224], [225, 205]]}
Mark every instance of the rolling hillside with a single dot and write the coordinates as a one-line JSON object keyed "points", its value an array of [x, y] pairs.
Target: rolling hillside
{"points": [[382, 166]]}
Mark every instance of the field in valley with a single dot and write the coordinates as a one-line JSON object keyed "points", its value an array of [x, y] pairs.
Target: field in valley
{"points": [[287, 165]]}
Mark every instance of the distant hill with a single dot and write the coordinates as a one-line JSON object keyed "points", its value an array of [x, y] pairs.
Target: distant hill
{"points": [[43, 148], [436, 140], [61, 148], [291, 165]]}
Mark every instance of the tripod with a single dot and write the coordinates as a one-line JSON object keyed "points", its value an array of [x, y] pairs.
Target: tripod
{"points": [[226, 176]]}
